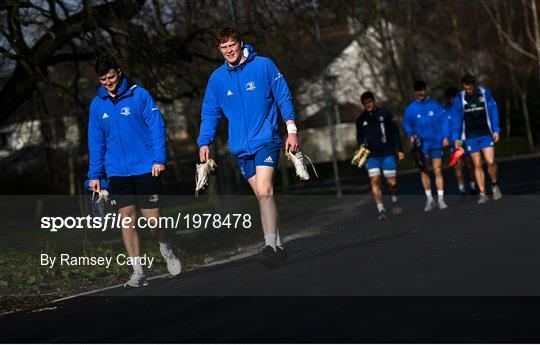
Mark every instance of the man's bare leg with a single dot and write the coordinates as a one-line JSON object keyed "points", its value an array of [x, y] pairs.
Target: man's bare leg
{"points": [[129, 232], [392, 185], [173, 264], [460, 178], [470, 169], [375, 182], [262, 185], [439, 182], [479, 171], [489, 156], [132, 242], [480, 177], [151, 215]]}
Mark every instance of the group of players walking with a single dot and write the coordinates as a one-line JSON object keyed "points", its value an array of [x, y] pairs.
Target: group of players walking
{"points": [[469, 120], [127, 140]]}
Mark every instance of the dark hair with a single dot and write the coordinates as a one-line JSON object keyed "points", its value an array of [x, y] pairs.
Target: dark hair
{"points": [[468, 80], [225, 33], [450, 92], [104, 64], [367, 95], [419, 85]]}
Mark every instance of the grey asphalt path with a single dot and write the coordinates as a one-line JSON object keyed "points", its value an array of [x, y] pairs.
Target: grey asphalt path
{"points": [[406, 278]]}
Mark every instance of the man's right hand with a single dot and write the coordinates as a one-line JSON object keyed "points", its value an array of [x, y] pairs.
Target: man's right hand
{"points": [[95, 185], [204, 153], [411, 139], [457, 144]]}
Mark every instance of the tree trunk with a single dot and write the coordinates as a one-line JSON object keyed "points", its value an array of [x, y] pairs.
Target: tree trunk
{"points": [[528, 131], [508, 129]]}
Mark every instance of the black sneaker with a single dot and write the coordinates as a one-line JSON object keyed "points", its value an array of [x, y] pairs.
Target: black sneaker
{"points": [[382, 215], [281, 255], [268, 257]]}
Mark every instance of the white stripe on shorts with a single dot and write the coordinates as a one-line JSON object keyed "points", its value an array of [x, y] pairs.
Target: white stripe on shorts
{"points": [[374, 172], [389, 173]]}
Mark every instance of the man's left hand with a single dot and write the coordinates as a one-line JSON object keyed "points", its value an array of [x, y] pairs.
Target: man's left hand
{"points": [[496, 137], [401, 156], [445, 142], [157, 169], [291, 143]]}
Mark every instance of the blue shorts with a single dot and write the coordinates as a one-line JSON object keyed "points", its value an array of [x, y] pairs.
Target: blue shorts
{"points": [[477, 144], [266, 156], [387, 164], [433, 153]]}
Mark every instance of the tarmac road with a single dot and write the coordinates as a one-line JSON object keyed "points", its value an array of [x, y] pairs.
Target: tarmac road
{"points": [[355, 279]]}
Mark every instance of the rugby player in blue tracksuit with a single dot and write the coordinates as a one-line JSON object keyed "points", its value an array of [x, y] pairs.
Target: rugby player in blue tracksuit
{"points": [[426, 118], [477, 117], [450, 95], [126, 143], [377, 130], [247, 89]]}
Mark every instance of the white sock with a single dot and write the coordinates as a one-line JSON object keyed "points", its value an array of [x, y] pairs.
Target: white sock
{"points": [[482, 193], [428, 195], [278, 241], [473, 185], [440, 192], [136, 262], [270, 240], [394, 198], [380, 207], [462, 188], [164, 248]]}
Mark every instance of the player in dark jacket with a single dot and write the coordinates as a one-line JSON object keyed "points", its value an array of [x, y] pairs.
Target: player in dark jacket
{"points": [[376, 129]]}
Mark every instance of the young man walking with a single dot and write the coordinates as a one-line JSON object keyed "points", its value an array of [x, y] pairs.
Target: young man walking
{"points": [[450, 96], [126, 141], [247, 89], [378, 132], [425, 118], [477, 116]]}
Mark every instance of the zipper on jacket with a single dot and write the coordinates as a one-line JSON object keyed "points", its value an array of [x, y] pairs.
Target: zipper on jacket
{"points": [[119, 136], [243, 112]]}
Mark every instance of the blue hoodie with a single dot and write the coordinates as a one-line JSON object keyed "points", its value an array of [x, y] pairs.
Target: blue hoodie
{"points": [[428, 120], [492, 114], [248, 95], [452, 123], [126, 134]]}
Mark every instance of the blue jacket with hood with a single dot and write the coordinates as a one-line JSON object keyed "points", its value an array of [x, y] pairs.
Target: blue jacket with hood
{"points": [[452, 123], [428, 120], [126, 134], [248, 95], [492, 113]]}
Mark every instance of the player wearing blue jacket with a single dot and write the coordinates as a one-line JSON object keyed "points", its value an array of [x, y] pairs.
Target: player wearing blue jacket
{"points": [[425, 118], [477, 118], [450, 95], [126, 142], [248, 89]]}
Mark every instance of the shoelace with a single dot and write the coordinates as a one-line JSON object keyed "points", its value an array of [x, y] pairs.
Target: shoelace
{"points": [[300, 159], [139, 280]]}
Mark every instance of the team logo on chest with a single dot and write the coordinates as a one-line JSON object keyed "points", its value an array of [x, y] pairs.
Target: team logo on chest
{"points": [[431, 113], [125, 111], [250, 86]]}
